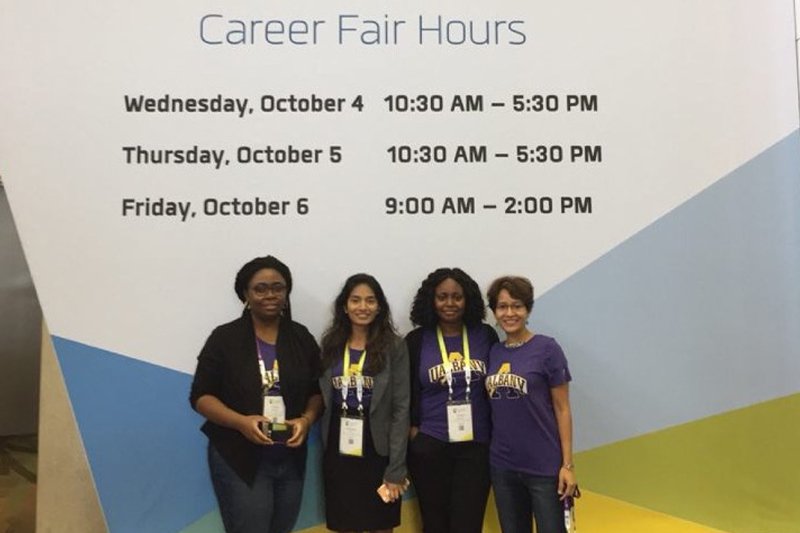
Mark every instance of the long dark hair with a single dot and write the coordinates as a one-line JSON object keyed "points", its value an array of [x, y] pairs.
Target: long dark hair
{"points": [[381, 331], [423, 310]]}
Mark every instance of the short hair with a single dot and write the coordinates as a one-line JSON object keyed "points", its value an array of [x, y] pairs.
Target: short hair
{"points": [[423, 309], [518, 287], [249, 270]]}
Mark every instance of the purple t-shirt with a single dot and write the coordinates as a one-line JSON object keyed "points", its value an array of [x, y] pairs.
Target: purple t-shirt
{"points": [[337, 376], [524, 430], [268, 353], [433, 384]]}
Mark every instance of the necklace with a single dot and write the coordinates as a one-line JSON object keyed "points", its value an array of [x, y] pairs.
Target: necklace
{"points": [[517, 344]]}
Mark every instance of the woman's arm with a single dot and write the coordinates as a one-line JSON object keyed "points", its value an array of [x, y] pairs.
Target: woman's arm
{"points": [[314, 406], [413, 342], [302, 424], [566, 474], [207, 387], [395, 473]]}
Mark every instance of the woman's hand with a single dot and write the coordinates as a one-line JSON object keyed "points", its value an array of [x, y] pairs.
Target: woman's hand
{"points": [[250, 427], [302, 424], [395, 490], [300, 427], [217, 412], [566, 482]]}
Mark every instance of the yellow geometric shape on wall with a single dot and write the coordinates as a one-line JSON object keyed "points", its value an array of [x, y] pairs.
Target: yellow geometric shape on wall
{"points": [[737, 472], [595, 513]]}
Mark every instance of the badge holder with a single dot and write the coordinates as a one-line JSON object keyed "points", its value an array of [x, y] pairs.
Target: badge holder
{"points": [[351, 436], [459, 413], [459, 421], [351, 428]]}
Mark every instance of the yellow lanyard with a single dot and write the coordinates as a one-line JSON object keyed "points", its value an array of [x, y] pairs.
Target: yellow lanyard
{"points": [[267, 381], [359, 378], [448, 366]]}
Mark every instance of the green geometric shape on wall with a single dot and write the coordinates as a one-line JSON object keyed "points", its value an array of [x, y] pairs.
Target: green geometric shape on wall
{"points": [[738, 471]]}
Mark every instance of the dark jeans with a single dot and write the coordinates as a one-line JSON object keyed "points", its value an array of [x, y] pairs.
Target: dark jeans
{"points": [[518, 496], [452, 483], [271, 505]]}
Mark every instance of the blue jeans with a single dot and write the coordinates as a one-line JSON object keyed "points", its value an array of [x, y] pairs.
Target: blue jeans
{"points": [[520, 496], [271, 505]]}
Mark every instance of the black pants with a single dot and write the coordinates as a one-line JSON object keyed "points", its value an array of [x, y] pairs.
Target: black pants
{"points": [[452, 483]]}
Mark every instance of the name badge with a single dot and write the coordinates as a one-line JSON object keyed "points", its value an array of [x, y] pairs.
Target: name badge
{"points": [[459, 421], [274, 409], [351, 436]]}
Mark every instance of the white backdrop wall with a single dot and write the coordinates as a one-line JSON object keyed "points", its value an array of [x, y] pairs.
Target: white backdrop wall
{"points": [[525, 137]]}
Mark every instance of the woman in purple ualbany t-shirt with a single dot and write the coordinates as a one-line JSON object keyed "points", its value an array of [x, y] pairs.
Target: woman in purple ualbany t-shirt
{"points": [[531, 448], [448, 454]]}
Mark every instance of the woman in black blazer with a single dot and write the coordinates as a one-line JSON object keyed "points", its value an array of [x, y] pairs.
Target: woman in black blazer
{"points": [[256, 384]]}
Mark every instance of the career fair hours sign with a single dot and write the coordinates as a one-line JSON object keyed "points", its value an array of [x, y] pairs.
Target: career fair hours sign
{"points": [[150, 148]]}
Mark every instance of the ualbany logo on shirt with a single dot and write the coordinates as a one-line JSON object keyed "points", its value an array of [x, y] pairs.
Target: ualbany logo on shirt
{"points": [[438, 373], [514, 385], [271, 377], [351, 382]]}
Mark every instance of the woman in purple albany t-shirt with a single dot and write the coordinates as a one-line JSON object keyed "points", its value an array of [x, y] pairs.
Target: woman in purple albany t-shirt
{"points": [[528, 386], [448, 455]]}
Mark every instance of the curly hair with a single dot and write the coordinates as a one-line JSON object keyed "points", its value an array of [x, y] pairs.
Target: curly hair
{"points": [[381, 331], [423, 309], [518, 287], [250, 269]]}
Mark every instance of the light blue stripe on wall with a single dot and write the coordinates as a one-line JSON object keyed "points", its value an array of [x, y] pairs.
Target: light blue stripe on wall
{"points": [[145, 450], [141, 437], [697, 314]]}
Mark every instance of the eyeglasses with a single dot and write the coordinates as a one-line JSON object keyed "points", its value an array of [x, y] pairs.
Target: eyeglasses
{"points": [[517, 307], [262, 289]]}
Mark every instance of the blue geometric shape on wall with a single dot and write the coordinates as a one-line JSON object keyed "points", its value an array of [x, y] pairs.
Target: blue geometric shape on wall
{"points": [[312, 512], [696, 314], [145, 450]]}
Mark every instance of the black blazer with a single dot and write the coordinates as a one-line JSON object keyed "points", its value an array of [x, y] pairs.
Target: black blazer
{"points": [[227, 368]]}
